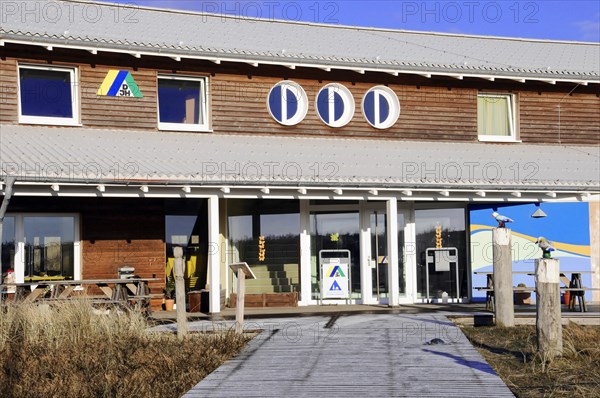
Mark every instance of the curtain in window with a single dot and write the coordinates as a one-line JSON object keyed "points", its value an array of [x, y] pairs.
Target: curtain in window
{"points": [[493, 116]]}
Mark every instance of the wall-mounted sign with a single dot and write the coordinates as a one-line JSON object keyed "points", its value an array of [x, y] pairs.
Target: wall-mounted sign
{"points": [[287, 103], [381, 107], [119, 83], [335, 105]]}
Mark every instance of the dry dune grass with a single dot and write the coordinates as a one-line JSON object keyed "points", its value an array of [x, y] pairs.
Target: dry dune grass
{"points": [[512, 353], [69, 350]]}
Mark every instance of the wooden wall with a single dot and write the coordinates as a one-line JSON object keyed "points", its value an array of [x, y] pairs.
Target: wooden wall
{"points": [[431, 109], [113, 232]]}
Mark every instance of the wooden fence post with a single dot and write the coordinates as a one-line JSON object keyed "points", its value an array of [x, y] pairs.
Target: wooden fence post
{"points": [[178, 268], [503, 291], [548, 320]]}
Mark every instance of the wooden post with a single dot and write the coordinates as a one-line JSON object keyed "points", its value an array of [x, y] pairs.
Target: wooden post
{"points": [[548, 321], [178, 268], [239, 307], [503, 291]]}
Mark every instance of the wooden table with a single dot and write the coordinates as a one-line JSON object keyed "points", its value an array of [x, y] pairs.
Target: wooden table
{"points": [[122, 292], [575, 287]]}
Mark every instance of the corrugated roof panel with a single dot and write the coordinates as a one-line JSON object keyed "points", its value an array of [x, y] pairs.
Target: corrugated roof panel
{"points": [[204, 34], [197, 158]]}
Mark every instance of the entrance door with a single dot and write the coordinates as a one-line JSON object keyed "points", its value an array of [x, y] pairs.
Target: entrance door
{"points": [[377, 262]]}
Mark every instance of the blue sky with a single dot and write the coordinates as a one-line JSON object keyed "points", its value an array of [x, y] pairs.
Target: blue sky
{"points": [[549, 19]]}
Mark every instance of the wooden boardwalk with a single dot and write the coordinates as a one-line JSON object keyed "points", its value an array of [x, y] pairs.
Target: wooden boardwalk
{"points": [[382, 355]]}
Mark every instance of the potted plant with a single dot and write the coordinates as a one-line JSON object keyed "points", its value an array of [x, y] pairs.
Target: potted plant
{"points": [[169, 293]]}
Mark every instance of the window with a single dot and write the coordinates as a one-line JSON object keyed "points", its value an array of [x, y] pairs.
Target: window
{"points": [[48, 95], [496, 117], [182, 103], [41, 247], [381, 107], [335, 105]]}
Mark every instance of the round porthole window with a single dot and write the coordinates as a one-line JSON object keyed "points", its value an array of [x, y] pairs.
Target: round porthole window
{"points": [[381, 107], [287, 103], [335, 105]]}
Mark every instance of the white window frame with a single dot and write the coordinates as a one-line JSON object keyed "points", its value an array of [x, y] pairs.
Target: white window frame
{"points": [[204, 127], [511, 116], [58, 121], [19, 259]]}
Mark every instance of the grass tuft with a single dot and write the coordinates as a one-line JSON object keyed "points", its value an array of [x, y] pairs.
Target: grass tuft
{"points": [[73, 350], [512, 352]]}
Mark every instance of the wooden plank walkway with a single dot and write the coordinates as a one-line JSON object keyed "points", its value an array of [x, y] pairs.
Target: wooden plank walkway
{"points": [[379, 355]]}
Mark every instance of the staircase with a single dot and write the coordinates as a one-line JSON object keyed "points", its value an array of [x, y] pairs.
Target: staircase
{"points": [[280, 278]]}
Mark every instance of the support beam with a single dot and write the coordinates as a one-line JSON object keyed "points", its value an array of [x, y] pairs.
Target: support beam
{"points": [[392, 244], [503, 290], [225, 190], [101, 188], [374, 192], [55, 187], [214, 261], [338, 192], [407, 193], [94, 51], [265, 190], [393, 73], [480, 193], [445, 193], [187, 189], [144, 188], [302, 191], [516, 194]]}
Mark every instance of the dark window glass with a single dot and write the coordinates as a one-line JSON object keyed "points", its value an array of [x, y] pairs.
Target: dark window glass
{"points": [[266, 235], [179, 101], [46, 93], [451, 226], [49, 246], [8, 245]]}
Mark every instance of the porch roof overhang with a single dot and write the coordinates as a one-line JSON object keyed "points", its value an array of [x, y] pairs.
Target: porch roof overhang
{"points": [[66, 161]]}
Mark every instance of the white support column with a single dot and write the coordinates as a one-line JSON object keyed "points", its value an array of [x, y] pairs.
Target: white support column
{"points": [[410, 249], [305, 262], [392, 244], [214, 258]]}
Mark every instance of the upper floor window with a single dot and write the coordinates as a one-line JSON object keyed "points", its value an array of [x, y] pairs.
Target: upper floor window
{"points": [[496, 120], [182, 103], [48, 95]]}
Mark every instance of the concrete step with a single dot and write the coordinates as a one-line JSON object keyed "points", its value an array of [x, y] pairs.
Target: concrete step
{"points": [[271, 289]]}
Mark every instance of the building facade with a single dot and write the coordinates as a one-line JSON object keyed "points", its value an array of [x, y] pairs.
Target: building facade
{"points": [[285, 145]]}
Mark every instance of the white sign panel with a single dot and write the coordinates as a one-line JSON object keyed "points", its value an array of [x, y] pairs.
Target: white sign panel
{"points": [[335, 278]]}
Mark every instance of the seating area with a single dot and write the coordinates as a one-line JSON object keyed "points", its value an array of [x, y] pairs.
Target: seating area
{"points": [[573, 289]]}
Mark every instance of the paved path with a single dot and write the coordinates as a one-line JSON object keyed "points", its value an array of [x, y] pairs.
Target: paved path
{"points": [[382, 355]]}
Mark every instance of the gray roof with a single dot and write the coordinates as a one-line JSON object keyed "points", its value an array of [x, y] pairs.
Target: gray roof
{"points": [[62, 154], [186, 33]]}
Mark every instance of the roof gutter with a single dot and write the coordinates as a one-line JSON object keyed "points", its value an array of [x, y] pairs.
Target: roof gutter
{"points": [[293, 62]]}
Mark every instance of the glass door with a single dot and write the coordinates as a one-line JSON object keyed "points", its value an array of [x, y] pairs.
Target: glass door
{"points": [[378, 264], [336, 230], [379, 254]]}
